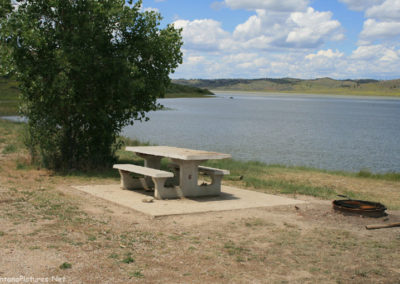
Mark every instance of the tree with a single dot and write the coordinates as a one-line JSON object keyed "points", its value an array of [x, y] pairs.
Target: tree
{"points": [[86, 68]]}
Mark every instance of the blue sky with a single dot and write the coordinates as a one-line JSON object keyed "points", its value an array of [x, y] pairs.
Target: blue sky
{"points": [[286, 38]]}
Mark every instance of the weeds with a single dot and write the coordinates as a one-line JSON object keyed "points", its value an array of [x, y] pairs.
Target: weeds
{"points": [[233, 249], [136, 274], [66, 265], [113, 256], [9, 149], [128, 258], [92, 238]]}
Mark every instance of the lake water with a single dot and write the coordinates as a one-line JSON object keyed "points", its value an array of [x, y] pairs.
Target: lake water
{"points": [[334, 133]]}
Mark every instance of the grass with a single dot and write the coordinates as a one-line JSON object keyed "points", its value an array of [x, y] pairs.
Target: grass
{"points": [[10, 148], [128, 259], [66, 265], [137, 274], [278, 179]]}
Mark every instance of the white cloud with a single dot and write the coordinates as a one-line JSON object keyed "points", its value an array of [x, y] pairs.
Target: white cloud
{"points": [[240, 57], [365, 62], [325, 54], [312, 27], [361, 5], [382, 22], [375, 53], [374, 30], [283, 41], [205, 34], [266, 30], [194, 60], [252, 27], [270, 5], [388, 10]]}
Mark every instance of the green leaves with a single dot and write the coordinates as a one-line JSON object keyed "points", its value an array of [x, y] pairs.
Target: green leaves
{"points": [[86, 68]]}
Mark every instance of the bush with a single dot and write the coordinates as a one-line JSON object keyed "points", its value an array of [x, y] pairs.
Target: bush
{"points": [[86, 69]]}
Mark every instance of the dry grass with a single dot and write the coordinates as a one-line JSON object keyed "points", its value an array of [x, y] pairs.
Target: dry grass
{"points": [[384, 191], [48, 229], [295, 181]]}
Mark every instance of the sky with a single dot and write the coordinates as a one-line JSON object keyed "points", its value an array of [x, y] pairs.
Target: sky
{"points": [[285, 38]]}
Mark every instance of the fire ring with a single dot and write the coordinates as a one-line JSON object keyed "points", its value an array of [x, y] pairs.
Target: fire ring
{"points": [[360, 207]]}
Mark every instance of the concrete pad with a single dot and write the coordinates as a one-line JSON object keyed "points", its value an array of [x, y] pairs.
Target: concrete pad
{"points": [[230, 199]]}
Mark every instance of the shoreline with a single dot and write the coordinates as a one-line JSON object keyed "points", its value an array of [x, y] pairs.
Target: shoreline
{"points": [[296, 94]]}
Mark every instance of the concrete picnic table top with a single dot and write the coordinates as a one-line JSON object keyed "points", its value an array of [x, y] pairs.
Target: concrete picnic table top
{"points": [[178, 153]]}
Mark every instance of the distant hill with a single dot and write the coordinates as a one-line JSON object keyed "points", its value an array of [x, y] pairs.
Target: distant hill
{"points": [[290, 85], [186, 91]]}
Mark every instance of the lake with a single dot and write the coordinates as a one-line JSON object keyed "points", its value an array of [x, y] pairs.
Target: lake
{"points": [[327, 132]]}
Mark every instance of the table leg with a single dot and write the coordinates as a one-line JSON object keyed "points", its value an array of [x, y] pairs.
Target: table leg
{"points": [[188, 177], [188, 180], [127, 182], [153, 162]]}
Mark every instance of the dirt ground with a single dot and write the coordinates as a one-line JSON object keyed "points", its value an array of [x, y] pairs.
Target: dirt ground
{"points": [[51, 232]]}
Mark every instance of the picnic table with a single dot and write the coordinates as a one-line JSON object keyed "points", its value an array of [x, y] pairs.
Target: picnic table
{"points": [[185, 166]]}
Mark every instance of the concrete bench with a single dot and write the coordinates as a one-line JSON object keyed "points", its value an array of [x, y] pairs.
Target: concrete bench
{"points": [[158, 177], [215, 174], [213, 171]]}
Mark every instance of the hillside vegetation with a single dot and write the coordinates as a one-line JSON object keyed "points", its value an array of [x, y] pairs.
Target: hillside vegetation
{"points": [[185, 91], [9, 94], [290, 85]]}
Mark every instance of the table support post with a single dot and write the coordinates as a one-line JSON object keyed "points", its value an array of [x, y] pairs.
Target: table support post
{"points": [[188, 176], [150, 161]]}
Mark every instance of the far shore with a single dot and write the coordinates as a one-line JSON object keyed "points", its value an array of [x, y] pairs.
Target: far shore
{"points": [[296, 94]]}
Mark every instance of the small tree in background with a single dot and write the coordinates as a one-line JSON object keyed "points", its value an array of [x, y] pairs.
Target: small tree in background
{"points": [[86, 68]]}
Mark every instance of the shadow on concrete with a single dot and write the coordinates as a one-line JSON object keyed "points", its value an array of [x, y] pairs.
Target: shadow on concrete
{"points": [[222, 197]]}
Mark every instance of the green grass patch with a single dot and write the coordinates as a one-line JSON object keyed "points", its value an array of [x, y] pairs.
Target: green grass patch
{"points": [[136, 274], [10, 148], [66, 265], [9, 108], [128, 259], [113, 256], [288, 187], [385, 176], [92, 238], [252, 169]]}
